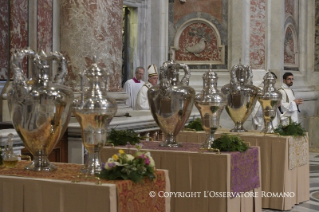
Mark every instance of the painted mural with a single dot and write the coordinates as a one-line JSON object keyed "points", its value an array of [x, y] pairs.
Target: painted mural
{"points": [[257, 34], [198, 42]]}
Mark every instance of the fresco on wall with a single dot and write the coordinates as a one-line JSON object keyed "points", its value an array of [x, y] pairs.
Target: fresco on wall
{"points": [[214, 14], [4, 39], [317, 37], [289, 48], [44, 25], [198, 42], [257, 34]]}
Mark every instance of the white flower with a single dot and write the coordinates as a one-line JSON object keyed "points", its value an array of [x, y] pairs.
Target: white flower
{"points": [[129, 157], [152, 162], [110, 160]]}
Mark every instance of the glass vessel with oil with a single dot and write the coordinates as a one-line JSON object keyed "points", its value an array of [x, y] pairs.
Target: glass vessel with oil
{"points": [[94, 110], [210, 103], [39, 104], [10, 159]]}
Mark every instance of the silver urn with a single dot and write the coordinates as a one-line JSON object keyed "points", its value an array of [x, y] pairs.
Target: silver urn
{"points": [[40, 107], [210, 103], [171, 101], [94, 110], [269, 99], [241, 95]]}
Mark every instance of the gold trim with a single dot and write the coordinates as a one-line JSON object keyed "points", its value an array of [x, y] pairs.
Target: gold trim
{"points": [[210, 150], [25, 156], [78, 178]]}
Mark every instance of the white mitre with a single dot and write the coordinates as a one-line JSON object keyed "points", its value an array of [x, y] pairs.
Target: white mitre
{"points": [[152, 70]]}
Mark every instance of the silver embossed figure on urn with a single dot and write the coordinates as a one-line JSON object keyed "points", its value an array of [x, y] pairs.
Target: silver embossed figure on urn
{"points": [[241, 95], [40, 107], [94, 110], [210, 103], [269, 99], [171, 101]]}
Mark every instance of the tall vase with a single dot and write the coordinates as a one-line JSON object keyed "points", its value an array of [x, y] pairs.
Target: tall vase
{"points": [[241, 95], [210, 103], [269, 99], [94, 111], [171, 101], [40, 107]]}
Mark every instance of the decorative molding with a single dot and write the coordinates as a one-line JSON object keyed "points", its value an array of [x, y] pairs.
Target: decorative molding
{"points": [[198, 42]]}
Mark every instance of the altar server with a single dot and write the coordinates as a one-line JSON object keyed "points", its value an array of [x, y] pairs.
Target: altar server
{"points": [[133, 86]]}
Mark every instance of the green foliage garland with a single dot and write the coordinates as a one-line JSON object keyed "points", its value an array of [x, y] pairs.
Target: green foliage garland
{"points": [[229, 143], [121, 137], [195, 124], [293, 129]]}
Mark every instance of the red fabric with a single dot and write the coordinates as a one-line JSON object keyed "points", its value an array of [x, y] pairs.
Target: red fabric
{"points": [[135, 80], [131, 197]]}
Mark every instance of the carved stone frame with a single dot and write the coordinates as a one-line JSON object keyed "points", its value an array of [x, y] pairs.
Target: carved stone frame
{"points": [[219, 45]]}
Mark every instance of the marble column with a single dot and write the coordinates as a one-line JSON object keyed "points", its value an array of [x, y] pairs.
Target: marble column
{"points": [[4, 44], [275, 36], [92, 27], [236, 34], [18, 26]]}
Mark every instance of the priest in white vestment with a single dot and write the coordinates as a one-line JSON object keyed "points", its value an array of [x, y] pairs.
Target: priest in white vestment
{"points": [[133, 86], [289, 104], [142, 99]]}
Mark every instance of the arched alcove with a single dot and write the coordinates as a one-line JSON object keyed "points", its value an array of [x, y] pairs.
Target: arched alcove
{"points": [[291, 49], [198, 42]]}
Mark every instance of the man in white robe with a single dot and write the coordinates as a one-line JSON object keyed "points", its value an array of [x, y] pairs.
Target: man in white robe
{"points": [[289, 104], [133, 86], [142, 99]]}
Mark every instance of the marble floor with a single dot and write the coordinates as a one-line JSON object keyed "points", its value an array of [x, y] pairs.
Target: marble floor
{"points": [[313, 204]]}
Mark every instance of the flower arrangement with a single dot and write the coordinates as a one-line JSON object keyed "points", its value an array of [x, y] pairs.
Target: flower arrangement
{"points": [[122, 166]]}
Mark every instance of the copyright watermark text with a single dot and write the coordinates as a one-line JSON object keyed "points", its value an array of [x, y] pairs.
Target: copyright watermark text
{"points": [[213, 194]]}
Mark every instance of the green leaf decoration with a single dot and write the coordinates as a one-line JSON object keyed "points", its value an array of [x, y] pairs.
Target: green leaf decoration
{"points": [[121, 137], [195, 124], [229, 143], [292, 129]]}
